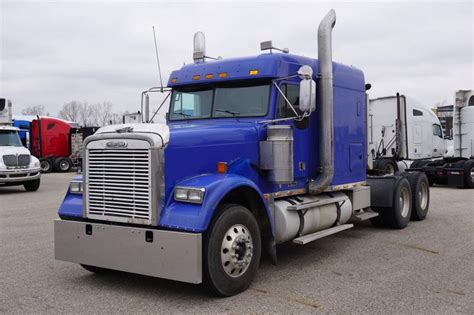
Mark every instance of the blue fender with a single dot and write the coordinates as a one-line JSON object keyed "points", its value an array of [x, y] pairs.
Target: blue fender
{"points": [[72, 203], [196, 217]]}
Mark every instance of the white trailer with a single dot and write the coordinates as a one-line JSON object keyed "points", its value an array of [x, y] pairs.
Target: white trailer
{"points": [[402, 134]]}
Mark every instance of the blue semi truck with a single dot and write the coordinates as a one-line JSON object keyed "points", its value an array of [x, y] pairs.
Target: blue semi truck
{"points": [[255, 152]]}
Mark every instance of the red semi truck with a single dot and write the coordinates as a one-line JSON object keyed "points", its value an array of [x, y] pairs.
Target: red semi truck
{"points": [[57, 143]]}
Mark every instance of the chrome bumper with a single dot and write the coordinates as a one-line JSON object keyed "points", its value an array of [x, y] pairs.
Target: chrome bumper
{"points": [[19, 175], [164, 254]]}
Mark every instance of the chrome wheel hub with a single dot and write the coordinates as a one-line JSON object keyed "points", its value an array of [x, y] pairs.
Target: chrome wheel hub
{"points": [[423, 194], [236, 250], [404, 202]]}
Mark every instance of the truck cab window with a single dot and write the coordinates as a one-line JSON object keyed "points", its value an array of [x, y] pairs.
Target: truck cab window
{"points": [[191, 104], [247, 99], [292, 93], [437, 131], [417, 112]]}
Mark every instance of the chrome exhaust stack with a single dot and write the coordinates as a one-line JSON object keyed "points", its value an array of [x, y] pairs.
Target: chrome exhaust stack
{"points": [[325, 94]]}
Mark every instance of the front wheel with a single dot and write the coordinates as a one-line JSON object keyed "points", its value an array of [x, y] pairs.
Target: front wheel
{"points": [[32, 185], [232, 250]]}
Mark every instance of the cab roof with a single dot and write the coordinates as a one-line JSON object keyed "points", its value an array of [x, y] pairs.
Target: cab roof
{"points": [[264, 66]]}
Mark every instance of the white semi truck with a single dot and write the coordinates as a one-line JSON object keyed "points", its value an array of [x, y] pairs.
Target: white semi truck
{"points": [[404, 134], [17, 165]]}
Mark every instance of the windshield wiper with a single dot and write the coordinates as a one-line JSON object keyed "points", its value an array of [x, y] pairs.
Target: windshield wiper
{"points": [[183, 114], [227, 111]]}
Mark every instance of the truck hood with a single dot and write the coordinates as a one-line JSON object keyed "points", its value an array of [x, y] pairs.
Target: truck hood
{"points": [[7, 150], [197, 148], [159, 132], [189, 135]]}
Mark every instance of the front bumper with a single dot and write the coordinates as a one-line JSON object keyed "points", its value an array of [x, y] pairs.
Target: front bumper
{"points": [[19, 175], [164, 254]]}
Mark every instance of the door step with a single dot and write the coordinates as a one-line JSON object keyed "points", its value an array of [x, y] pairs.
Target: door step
{"points": [[302, 240], [364, 215]]}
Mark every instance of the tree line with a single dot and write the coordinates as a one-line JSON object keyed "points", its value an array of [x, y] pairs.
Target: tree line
{"points": [[99, 114]]}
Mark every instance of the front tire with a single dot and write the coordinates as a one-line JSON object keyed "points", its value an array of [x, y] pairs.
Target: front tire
{"points": [[32, 185], [387, 166], [232, 250]]}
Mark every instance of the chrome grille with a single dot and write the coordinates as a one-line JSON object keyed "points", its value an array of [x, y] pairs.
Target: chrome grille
{"points": [[23, 160], [16, 160], [118, 185]]}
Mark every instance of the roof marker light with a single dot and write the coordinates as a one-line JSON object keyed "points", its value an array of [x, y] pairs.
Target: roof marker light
{"points": [[253, 72], [223, 75], [196, 77], [174, 80], [209, 76]]}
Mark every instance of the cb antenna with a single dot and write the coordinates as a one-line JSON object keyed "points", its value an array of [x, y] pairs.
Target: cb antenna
{"points": [[158, 59]]}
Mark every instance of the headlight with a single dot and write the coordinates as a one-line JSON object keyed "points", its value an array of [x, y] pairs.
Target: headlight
{"points": [[189, 194], [75, 188]]}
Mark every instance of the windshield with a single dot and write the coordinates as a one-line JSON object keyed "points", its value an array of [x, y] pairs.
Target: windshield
{"points": [[10, 138], [220, 101]]}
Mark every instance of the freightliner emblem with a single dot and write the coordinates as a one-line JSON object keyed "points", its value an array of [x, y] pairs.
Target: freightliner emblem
{"points": [[116, 144]]}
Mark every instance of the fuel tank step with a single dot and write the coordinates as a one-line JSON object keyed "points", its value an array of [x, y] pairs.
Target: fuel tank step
{"points": [[364, 215], [316, 236]]}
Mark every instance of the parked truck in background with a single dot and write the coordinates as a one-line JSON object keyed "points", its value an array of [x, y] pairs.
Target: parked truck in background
{"points": [[57, 143], [17, 165], [402, 133], [247, 159]]}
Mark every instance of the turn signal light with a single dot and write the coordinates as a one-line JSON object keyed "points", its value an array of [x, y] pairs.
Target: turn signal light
{"points": [[221, 167]]}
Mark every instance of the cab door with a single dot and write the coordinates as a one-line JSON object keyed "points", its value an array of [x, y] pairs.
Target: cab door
{"points": [[439, 143], [291, 90]]}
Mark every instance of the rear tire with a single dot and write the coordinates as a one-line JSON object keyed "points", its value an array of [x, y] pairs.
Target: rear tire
{"points": [[469, 174], [232, 250], [46, 165], [420, 192], [63, 164], [32, 185], [398, 215]]}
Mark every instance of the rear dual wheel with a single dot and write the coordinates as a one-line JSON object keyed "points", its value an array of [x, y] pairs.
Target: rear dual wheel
{"points": [[46, 165], [420, 192], [398, 215], [63, 164]]}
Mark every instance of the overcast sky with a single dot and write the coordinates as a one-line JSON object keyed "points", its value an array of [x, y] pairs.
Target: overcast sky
{"points": [[52, 53]]}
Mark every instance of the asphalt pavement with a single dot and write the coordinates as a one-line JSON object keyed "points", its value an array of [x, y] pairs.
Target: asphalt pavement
{"points": [[426, 268]]}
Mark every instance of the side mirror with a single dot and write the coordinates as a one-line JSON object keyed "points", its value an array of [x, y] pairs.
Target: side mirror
{"points": [[307, 90]]}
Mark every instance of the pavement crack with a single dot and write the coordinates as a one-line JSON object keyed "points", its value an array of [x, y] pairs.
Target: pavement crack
{"points": [[416, 247], [301, 301]]}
